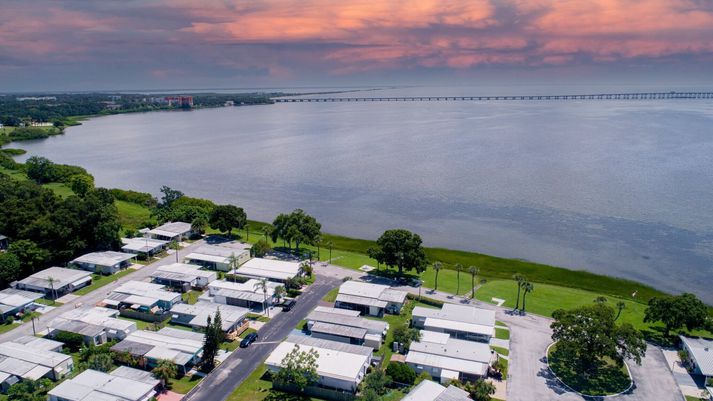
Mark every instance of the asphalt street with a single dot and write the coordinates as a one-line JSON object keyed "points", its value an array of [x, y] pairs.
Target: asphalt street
{"points": [[238, 366]]}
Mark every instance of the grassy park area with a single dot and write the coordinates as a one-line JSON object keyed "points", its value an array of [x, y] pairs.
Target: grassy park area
{"points": [[100, 280]]}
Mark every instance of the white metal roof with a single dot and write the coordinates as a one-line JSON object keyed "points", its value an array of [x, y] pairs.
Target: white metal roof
{"points": [[26, 353], [444, 362], [142, 244], [93, 385], [431, 391], [337, 311], [172, 229], [460, 313], [201, 310], [355, 299], [702, 352], [149, 290], [60, 275], [382, 293], [107, 258], [459, 326], [453, 348], [178, 346], [268, 268], [330, 363], [14, 298]]}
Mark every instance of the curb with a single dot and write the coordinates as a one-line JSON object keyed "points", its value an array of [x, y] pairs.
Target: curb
{"points": [[628, 371]]}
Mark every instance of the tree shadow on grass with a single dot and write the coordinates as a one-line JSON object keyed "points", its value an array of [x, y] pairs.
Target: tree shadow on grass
{"points": [[275, 395]]}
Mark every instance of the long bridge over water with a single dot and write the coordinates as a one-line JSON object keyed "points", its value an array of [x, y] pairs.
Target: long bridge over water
{"points": [[601, 96]]}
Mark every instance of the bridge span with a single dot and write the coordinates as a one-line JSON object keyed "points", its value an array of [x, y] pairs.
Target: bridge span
{"points": [[601, 96]]}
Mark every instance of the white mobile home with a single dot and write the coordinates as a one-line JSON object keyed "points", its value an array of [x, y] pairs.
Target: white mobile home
{"points": [[217, 257], [346, 326], [122, 384], [32, 358], [448, 359], [196, 315], [108, 262], [273, 270], [181, 347], [460, 321], [432, 391], [339, 366], [143, 246], [96, 325], [55, 281], [172, 231], [183, 276], [370, 299], [14, 301], [247, 294]]}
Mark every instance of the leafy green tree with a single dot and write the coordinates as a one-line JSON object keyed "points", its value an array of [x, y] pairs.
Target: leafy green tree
{"points": [[227, 217], [280, 292], [378, 381], [404, 334], [473, 272], [73, 341], [100, 361], [298, 369], [369, 395], [306, 268], [169, 195], [10, 269], [297, 227], [400, 248], [32, 258], [587, 334], [437, 266], [401, 373], [165, 370], [479, 390], [81, 184], [260, 248], [519, 279], [421, 377], [40, 169], [29, 390], [199, 224], [675, 312]]}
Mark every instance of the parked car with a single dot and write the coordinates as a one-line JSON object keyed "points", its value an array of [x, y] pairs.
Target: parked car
{"points": [[249, 339], [287, 306]]}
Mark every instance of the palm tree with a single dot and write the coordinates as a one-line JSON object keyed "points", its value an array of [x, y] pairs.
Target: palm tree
{"points": [[165, 371], [519, 278], [266, 231], [51, 281], [262, 285], [174, 245], [329, 245], [458, 267], [233, 261], [473, 272], [527, 288], [437, 266], [305, 269], [620, 306], [33, 315], [280, 292]]}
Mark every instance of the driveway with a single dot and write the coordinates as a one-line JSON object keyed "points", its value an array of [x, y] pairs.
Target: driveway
{"points": [[95, 296], [231, 373]]}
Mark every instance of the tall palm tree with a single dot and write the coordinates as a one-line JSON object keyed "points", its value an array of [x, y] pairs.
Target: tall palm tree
{"points": [[34, 315], [280, 292], [233, 261], [437, 266], [473, 272], [527, 288], [519, 278], [262, 285], [174, 245], [330, 245], [305, 268], [266, 231], [51, 281], [458, 267], [620, 306]]}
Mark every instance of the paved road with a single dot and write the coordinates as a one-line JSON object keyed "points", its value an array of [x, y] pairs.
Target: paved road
{"points": [[234, 370], [95, 296]]}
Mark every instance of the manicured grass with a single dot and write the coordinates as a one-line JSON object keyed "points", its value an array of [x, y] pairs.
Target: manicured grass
{"points": [[691, 398], [191, 297], [59, 189], [246, 332], [609, 378], [331, 295], [394, 321], [100, 280], [14, 174], [500, 350], [132, 215], [48, 302], [302, 325], [259, 318], [185, 384], [502, 334], [4, 328], [253, 388], [504, 364], [141, 324]]}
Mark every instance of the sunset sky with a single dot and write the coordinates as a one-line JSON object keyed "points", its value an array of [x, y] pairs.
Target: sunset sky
{"points": [[125, 44]]}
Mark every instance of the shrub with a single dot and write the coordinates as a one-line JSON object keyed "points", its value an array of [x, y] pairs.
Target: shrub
{"points": [[401, 373], [141, 198], [73, 341]]}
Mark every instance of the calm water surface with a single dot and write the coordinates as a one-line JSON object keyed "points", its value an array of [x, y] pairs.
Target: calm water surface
{"points": [[621, 188]]}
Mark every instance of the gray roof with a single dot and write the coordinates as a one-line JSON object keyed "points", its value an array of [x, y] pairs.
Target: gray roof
{"points": [[357, 300], [378, 292], [176, 227], [92, 385], [338, 330], [107, 258], [78, 327], [201, 310], [702, 351], [13, 298], [431, 391], [61, 276], [453, 348], [335, 345], [458, 313], [134, 374], [323, 315]]}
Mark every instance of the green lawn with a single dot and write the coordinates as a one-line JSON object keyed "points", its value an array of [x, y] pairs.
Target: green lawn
{"points": [[191, 297], [59, 189], [500, 350], [49, 302], [100, 280], [132, 215], [256, 388], [502, 334], [331, 295], [4, 328], [185, 384], [609, 378], [14, 174]]}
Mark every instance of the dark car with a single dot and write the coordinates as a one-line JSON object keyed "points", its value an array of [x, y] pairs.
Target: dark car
{"points": [[287, 306], [249, 339]]}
